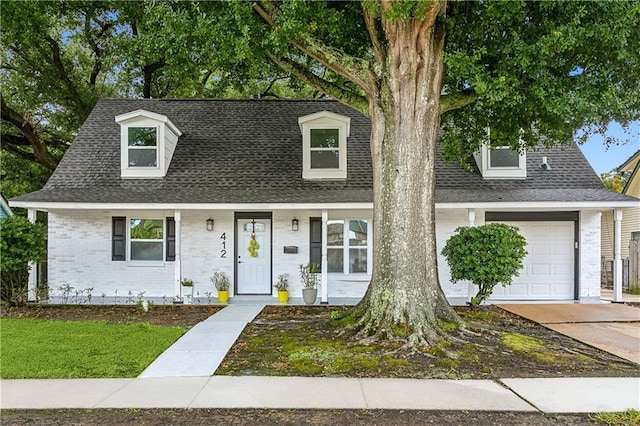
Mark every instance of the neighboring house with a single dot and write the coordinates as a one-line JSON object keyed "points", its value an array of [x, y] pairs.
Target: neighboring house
{"points": [[630, 216], [152, 191], [5, 210]]}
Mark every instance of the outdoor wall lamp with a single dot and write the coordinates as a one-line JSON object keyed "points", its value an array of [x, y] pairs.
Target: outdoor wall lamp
{"points": [[294, 224], [209, 224]]}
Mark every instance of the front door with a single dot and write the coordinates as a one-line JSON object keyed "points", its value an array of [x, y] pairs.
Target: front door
{"points": [[253, 254]]}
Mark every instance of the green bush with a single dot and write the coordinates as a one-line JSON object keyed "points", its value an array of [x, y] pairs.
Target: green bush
{"points": [[485, 255], [21, 242]]}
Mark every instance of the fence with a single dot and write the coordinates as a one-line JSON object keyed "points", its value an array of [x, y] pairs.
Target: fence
{"points": [[606, 273]]}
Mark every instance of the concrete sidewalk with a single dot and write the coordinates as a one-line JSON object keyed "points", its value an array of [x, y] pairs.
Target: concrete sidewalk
{"points": [[575, 395]]}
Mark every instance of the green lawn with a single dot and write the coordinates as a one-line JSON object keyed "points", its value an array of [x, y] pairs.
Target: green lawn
{"points": [[37, 348]]}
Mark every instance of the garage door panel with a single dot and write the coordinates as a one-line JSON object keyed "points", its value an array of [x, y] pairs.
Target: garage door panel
{"points": [[548, 271], [538, 249], [541, 269]]}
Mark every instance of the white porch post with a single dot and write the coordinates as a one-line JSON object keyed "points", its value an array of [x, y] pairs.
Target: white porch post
{"points": [[324, 291], [32, 284], [472, 217], [617, 260], [471, 214], [177, 264]]}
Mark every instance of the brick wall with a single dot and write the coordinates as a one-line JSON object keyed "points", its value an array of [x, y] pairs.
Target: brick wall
{"points": [[589, 254]]}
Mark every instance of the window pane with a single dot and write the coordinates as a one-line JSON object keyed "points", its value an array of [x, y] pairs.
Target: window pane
{"points": [[325, 159], [146, 229], [335, 260], [357, 232], [146, 250], [504, 157], [142, 158], [358, 260], [324, 138], [142, 136], [335, 230], [251, 227]]}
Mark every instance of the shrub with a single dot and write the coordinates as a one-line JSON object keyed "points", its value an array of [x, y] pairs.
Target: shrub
{"points": [[21, 242], [485, 255]]}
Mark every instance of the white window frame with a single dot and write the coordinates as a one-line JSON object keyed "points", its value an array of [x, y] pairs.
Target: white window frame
{"points": [[156, 148], [165, 130], [488, 172], [324, 120], [134, 262], [345, 247]]}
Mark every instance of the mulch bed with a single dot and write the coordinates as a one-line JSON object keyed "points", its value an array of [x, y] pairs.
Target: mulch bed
{"points": [[164, 315]]}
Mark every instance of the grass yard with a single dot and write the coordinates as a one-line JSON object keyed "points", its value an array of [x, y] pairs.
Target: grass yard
{"points": [[46, 349]]}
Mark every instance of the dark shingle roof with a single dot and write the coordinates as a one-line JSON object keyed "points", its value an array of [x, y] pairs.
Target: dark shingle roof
{"points": [[250, 151]]}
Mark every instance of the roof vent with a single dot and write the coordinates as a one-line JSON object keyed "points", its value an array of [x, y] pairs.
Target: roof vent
{"points": [[545, 164]]}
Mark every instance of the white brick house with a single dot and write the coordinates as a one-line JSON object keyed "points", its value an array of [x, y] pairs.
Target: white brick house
{"points": [[153, 191]]}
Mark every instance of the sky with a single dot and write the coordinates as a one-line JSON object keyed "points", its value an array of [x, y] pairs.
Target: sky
{"points": [[605, 159]]}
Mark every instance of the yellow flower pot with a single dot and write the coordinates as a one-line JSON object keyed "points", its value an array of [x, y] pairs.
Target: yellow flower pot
{"points": [[283, 296], [223, 296]]}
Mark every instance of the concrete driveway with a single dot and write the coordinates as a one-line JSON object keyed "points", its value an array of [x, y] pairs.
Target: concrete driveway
{"points": [[614, 328]]}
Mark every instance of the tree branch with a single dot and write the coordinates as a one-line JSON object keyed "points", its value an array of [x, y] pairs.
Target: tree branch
{"points": [[40, 152], [147, 76], [12, 149], [62, 73], [341, 94], [456, 101], [376, 32], [349, 67], [97, 50]]}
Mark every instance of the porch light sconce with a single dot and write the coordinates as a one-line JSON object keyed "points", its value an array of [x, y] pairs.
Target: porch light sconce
{"points": [[294, 225], [209, 224]]}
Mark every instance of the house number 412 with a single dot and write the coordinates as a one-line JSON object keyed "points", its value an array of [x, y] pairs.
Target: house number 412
{"points": [[223, 252]]}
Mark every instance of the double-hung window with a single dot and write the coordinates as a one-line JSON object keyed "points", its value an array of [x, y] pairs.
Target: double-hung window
{"points": [[348, 246], [142, 143], [146, 237]]}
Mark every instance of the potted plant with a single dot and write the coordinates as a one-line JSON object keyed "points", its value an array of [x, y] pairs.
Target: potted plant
{"points": [[282, 285], [186, 285], [308, 274], [221, 282]]}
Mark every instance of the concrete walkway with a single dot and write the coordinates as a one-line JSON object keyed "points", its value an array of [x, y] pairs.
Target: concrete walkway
{"points": [[614, 328], [575, 395], [201, 349]]}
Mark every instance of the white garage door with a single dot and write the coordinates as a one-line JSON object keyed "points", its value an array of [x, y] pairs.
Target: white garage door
{"points": [[548, 272]]}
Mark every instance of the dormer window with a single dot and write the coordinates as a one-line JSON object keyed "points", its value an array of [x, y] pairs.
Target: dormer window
{"points": [[324, 145], [143, 146], [501, 162], [148, 141]]}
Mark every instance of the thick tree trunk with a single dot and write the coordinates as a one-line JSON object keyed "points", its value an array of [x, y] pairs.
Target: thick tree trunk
{"points": [[404, 290]]}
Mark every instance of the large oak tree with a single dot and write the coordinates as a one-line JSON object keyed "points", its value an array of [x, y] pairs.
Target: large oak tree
{"points": [[530, 72]]}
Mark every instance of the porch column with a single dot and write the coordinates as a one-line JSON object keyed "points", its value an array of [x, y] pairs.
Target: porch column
{"points": [[471, 289], [324, 291], [617, 259], [32, 284], [472, 217], [177, 264]]}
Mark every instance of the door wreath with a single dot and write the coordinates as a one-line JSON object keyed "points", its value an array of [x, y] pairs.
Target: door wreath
{"points": [[253, 246]]}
